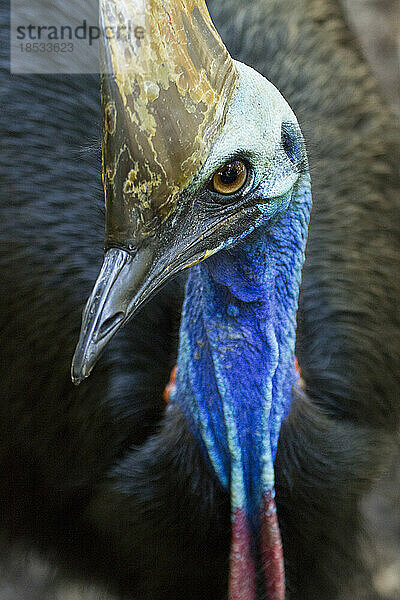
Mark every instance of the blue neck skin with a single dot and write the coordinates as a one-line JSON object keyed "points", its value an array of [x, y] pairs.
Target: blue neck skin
{"points": [[236, 353]]}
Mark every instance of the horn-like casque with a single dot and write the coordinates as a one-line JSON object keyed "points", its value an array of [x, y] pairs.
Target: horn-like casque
{"points": [[167, 79]]}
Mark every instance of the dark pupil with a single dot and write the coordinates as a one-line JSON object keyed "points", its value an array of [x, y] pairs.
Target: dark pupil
{"points": [[229, 175]]}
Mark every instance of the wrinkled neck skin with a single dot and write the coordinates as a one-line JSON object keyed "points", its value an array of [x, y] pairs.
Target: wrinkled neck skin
{"points": [[236, 354]]}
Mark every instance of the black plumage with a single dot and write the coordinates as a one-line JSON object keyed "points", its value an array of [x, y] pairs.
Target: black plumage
{"points": [[94, 477]]}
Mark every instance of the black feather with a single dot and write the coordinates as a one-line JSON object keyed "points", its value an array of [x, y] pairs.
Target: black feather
{"points": [[94, 478]]}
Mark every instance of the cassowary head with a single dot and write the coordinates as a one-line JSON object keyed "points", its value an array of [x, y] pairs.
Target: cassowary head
{"points": [[196, 146], [204, 159]]}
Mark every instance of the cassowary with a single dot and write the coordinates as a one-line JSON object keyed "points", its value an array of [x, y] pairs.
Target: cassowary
{"points": [[177, 502], [203, 159]]}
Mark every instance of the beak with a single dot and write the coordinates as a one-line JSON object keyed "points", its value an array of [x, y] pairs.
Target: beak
{"points": [[127, 280], [124, 284]]}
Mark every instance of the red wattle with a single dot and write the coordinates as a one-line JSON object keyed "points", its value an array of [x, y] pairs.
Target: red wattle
{"points": [[271, 550], [242, 578]]}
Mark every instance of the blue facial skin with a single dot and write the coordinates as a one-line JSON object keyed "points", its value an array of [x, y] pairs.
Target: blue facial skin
{"points": [[236, 352], [236, 355]]}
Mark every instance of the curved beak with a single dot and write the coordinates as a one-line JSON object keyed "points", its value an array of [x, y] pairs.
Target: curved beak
{"points": [[127, 280], [122, 286]]}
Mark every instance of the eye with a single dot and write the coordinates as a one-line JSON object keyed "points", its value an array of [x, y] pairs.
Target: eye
{"points": [[230, 178]]}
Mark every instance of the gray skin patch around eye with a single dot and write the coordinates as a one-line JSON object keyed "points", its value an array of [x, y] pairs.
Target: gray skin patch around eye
{"points": [[253, 129]]}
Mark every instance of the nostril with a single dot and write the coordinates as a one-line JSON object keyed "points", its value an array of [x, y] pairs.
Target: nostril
{"points": [[110, 324]]}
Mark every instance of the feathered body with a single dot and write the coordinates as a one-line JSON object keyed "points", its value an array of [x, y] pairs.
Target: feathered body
{"points": [[100, 478]]}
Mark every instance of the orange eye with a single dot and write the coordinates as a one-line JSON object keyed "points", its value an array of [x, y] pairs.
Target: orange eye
{"points": [[231, 178]]}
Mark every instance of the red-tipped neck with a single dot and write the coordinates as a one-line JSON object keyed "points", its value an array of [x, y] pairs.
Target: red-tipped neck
{"points": [[271, 550], [242, 579]]}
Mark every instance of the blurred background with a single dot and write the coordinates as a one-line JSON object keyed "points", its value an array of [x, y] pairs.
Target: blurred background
{"points": [[377, 24]]}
